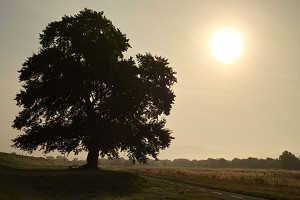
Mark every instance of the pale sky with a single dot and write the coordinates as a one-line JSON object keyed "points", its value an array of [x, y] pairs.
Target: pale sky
{"points": [[250, 107]]}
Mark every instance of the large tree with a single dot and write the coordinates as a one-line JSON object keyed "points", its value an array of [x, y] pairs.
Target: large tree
{"points": [[80, 93]]}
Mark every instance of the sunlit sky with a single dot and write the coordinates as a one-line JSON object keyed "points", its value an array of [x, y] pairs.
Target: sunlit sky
{"points": [[249, 107]]}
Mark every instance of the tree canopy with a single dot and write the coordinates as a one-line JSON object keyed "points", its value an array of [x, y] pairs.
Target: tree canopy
{"points": [[289, 161], [80, 93]]}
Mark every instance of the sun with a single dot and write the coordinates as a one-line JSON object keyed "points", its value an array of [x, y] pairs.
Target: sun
{"points": [[226, 45]]}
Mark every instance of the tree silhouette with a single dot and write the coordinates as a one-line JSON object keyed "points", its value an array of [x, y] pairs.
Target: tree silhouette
{"points": [[289, 161], [80, 94]]}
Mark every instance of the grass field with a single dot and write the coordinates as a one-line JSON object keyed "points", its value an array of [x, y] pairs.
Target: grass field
{"points": [[31, 178], [270, 184]]}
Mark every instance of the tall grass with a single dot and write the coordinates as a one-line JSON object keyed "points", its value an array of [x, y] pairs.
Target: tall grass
{"points": [[271, 184]]}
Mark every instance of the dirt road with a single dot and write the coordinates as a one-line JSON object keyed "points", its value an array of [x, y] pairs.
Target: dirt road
{"points": [[208, 191]]}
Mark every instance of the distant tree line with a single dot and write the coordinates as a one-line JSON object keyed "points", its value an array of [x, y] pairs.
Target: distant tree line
{"points": [[286, 160], [65, 160]]}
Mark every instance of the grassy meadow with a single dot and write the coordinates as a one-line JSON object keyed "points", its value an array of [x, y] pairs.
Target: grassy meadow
{"points": [[29, 178], [269, 184]]}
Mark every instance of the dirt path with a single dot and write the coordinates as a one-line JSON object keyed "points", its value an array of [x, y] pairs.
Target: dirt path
{"points": [[208, 191]]}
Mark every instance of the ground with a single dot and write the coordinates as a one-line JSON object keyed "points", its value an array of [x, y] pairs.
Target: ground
{"points": [[36, 178]]}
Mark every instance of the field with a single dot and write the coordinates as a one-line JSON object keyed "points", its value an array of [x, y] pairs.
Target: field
{"points": [[270, 184], [31, 178]]}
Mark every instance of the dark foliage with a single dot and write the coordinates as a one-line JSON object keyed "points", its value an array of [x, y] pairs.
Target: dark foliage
{"points": [[286, 161], [289, 161], [80, 94]]}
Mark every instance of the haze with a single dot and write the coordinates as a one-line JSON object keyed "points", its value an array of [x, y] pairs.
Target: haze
{"points": [[250, 107]]}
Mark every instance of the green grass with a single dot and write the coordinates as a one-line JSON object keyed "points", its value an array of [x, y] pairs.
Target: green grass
{"points": [[31, 178], [27, 162], [270, 184]]}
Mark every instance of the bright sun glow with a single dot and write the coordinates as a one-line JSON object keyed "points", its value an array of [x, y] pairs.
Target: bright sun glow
{"points": [[226, 45]]}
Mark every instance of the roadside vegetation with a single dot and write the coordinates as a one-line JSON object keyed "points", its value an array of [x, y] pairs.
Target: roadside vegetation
{"points": [[30, 178], [269, 184]]}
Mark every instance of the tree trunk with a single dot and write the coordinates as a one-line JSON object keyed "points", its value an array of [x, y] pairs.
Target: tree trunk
{"points": [[92, 159], [93, 154]]}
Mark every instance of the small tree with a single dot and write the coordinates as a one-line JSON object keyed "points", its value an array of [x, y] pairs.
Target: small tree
{"points": [[80, 94], [289, 161]]}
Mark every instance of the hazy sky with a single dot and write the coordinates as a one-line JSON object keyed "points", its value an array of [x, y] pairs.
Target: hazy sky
{"points": [[250, 107]]}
